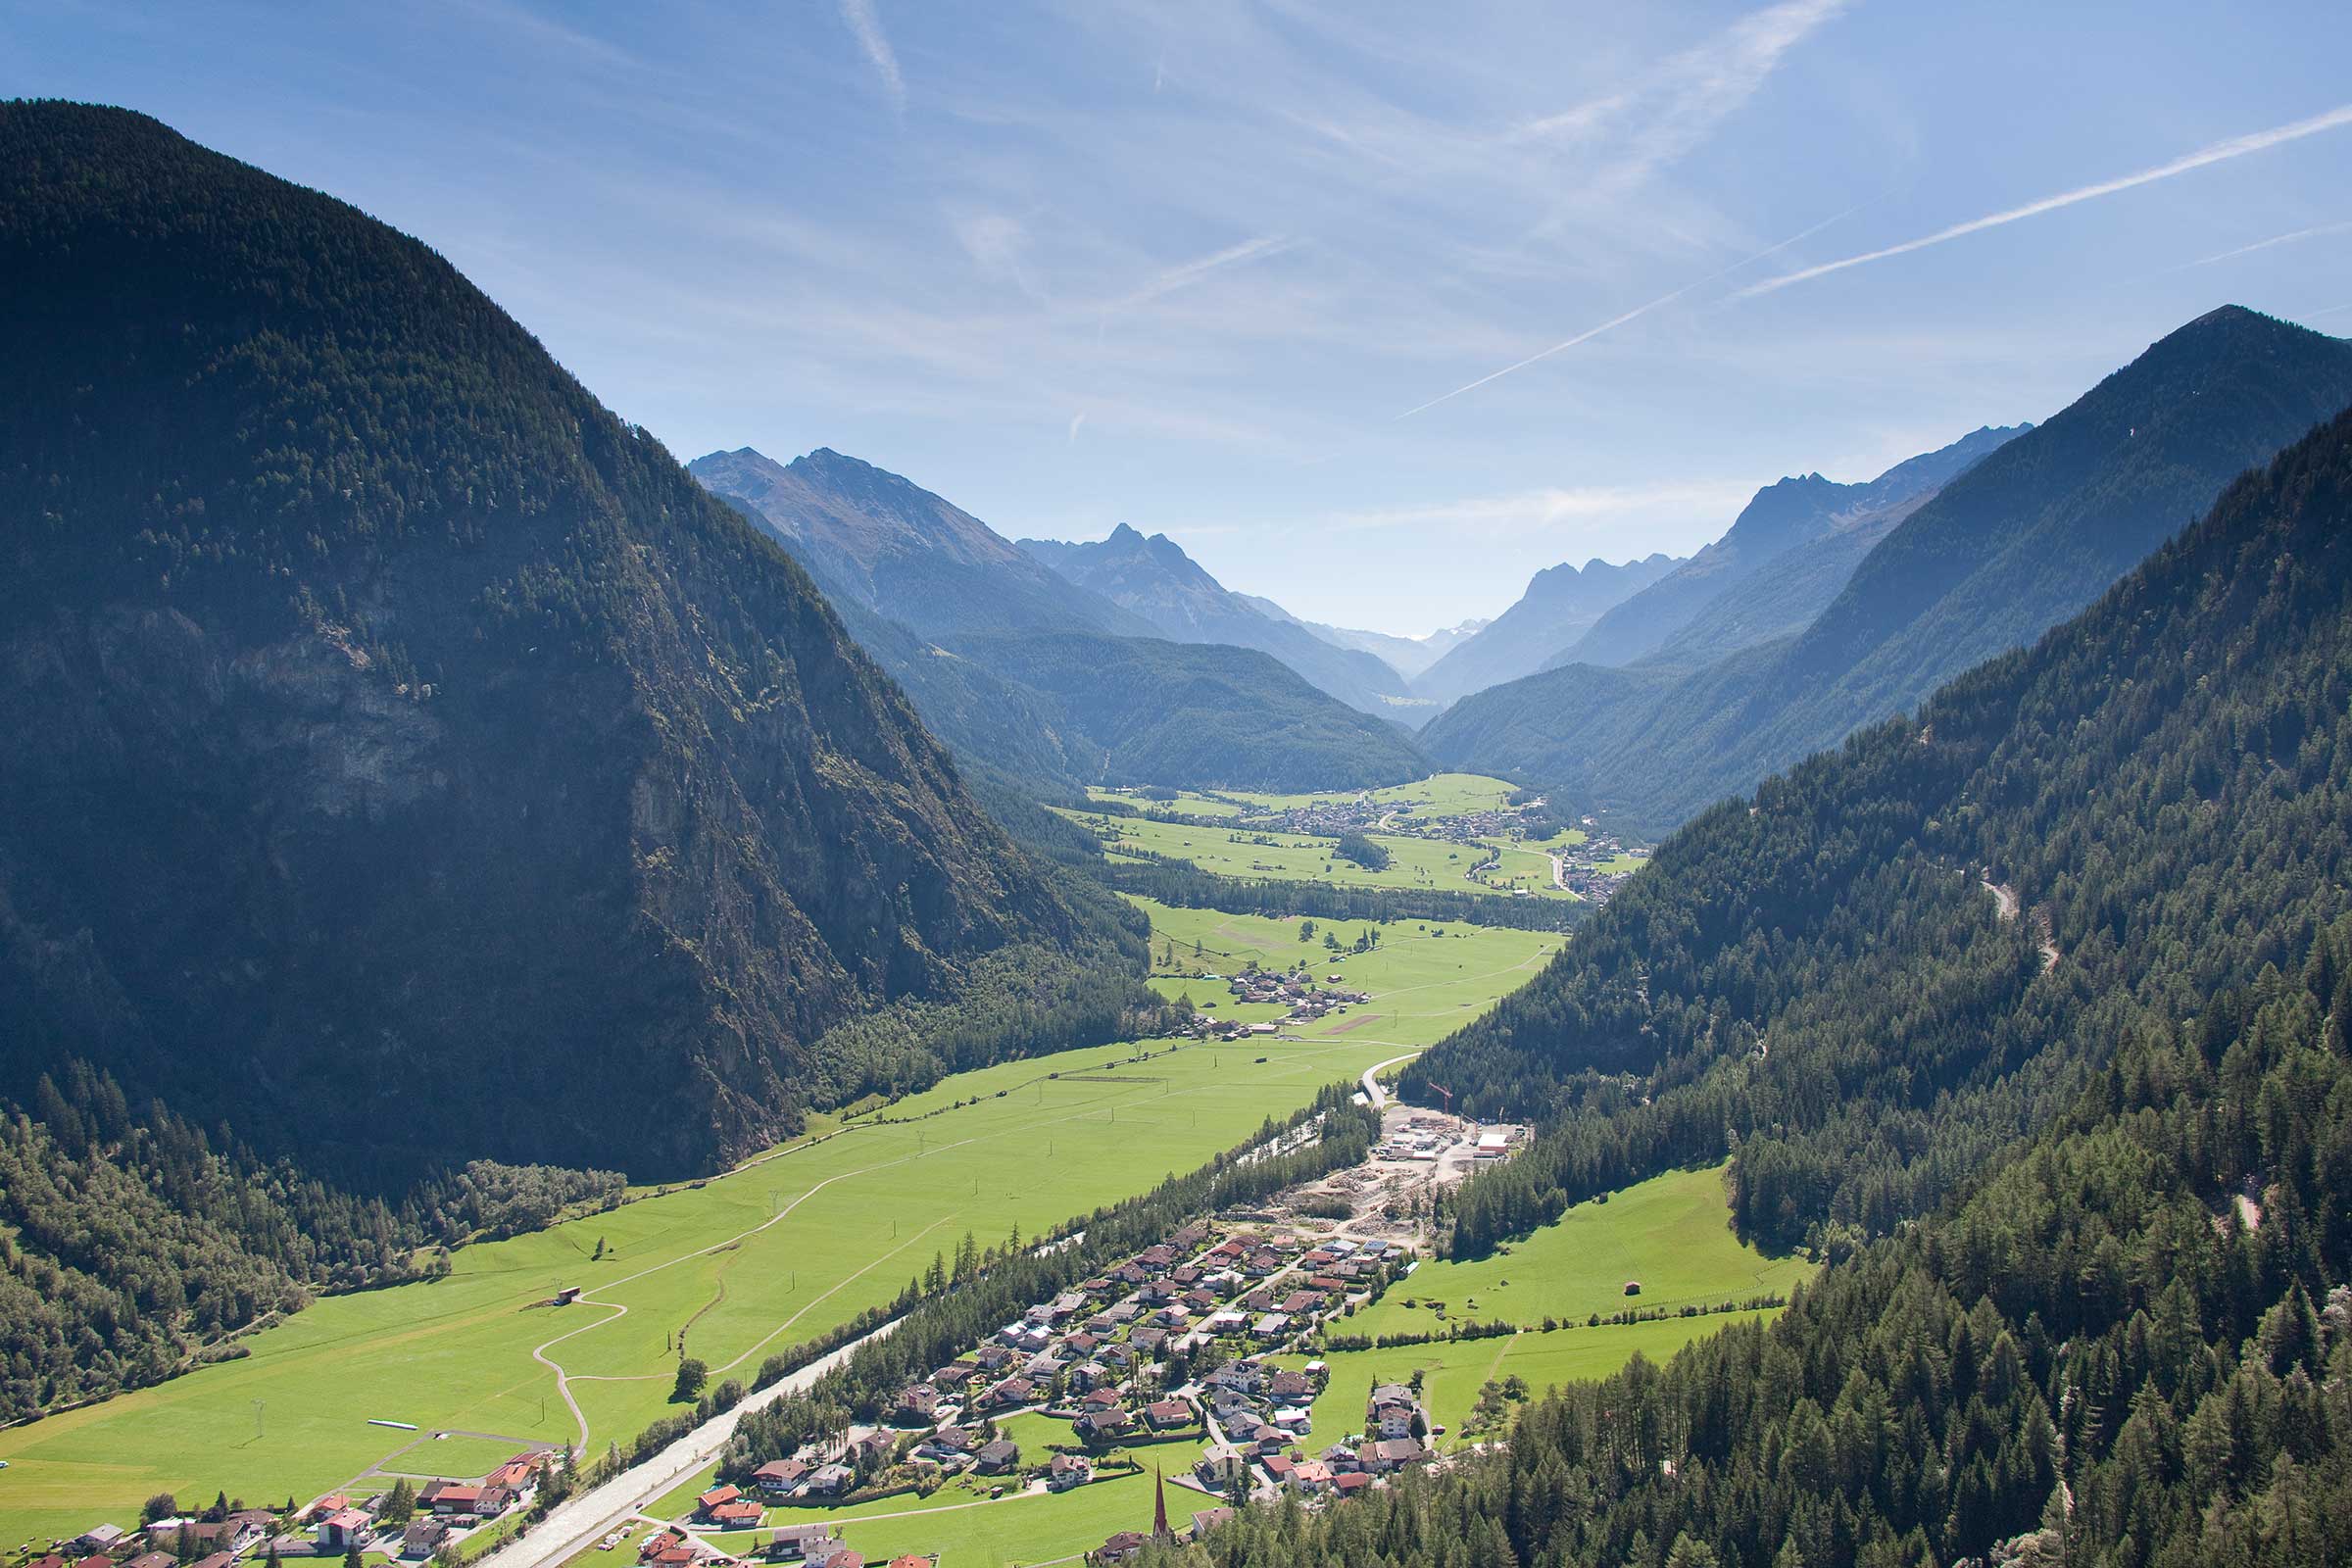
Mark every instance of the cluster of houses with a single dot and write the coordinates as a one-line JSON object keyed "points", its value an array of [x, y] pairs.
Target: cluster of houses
{"points": [[1110, 1356], [812, 1546], [1581, 866], [333, 1526], [1296, 990], [1263, 1415]]}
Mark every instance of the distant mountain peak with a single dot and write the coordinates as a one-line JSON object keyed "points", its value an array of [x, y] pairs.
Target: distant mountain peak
{"points": [[1561, 603], [885, 541], [1153, 577]]}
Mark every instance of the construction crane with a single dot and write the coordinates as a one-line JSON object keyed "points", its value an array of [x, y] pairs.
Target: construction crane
{"points": [[1442, 1089]]}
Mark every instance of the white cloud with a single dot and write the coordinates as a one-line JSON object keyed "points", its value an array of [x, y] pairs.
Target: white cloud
{"points": [[2215, 153], [1697, 90], [1190, 272], [998, 245], [865, 27]]}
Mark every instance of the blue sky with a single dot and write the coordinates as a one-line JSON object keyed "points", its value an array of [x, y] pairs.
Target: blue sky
{"points": [[1242, 271]]}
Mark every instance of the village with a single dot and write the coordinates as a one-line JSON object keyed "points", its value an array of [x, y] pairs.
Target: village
{"points": [[1196, 1365], [405, 1522], [1201, 1346], [1296, 990], [1598, 867]]}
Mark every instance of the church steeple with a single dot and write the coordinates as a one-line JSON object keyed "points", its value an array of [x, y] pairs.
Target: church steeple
{"points": [[1160, 1532]]}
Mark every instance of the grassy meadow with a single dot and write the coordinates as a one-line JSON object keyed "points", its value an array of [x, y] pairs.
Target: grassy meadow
{"points": [[1439, 796], [1453, 1371], [757, 1260], [1672, 1233], [1431, 864]]}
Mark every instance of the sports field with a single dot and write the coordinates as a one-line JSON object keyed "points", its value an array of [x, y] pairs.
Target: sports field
{"points": [[1671, 1233], [756, 1260]]}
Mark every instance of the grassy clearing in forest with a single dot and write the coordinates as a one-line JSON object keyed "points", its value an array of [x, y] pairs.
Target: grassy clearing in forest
{"points": [[1454, 1370], [1671, 1233]]}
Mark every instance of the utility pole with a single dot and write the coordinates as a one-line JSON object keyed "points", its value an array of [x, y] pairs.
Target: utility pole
{"points": [[258, 1406]]}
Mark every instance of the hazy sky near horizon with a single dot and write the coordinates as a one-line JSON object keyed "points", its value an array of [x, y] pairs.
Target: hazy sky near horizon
{"points": [[1375, 309]]}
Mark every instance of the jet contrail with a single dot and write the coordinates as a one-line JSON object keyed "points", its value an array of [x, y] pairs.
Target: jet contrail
{"points": [[2266, 244], [2218, 152], [1589, 333]]}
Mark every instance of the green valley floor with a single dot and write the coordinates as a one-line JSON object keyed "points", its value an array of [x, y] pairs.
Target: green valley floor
{"points": [[746, 1264]]}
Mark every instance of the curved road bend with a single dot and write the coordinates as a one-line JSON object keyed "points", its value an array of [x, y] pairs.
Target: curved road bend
{"points": [[1372, 1089], [576, 1522]]}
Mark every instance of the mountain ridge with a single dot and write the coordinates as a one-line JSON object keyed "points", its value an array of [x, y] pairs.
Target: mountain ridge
{"points": [[382, 706], [2023, 537], [903, 551], [1559, 604], [1788, 514], [2029, 1014], [1154, 577], [938, 623]]}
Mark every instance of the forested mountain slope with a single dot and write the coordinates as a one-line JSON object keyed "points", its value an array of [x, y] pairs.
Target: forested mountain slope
{"points": [[407, 760], [965, 638], [1788, 514], [132, 1242], [1156, 579], [884, 542], [1199, 716], [2118, 1331], [1561, 604], [2016, 543], [993, 726], [1788, 592]]}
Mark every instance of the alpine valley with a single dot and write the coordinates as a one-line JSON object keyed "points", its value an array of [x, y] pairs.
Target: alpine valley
{"points": [[561, 1006]]}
